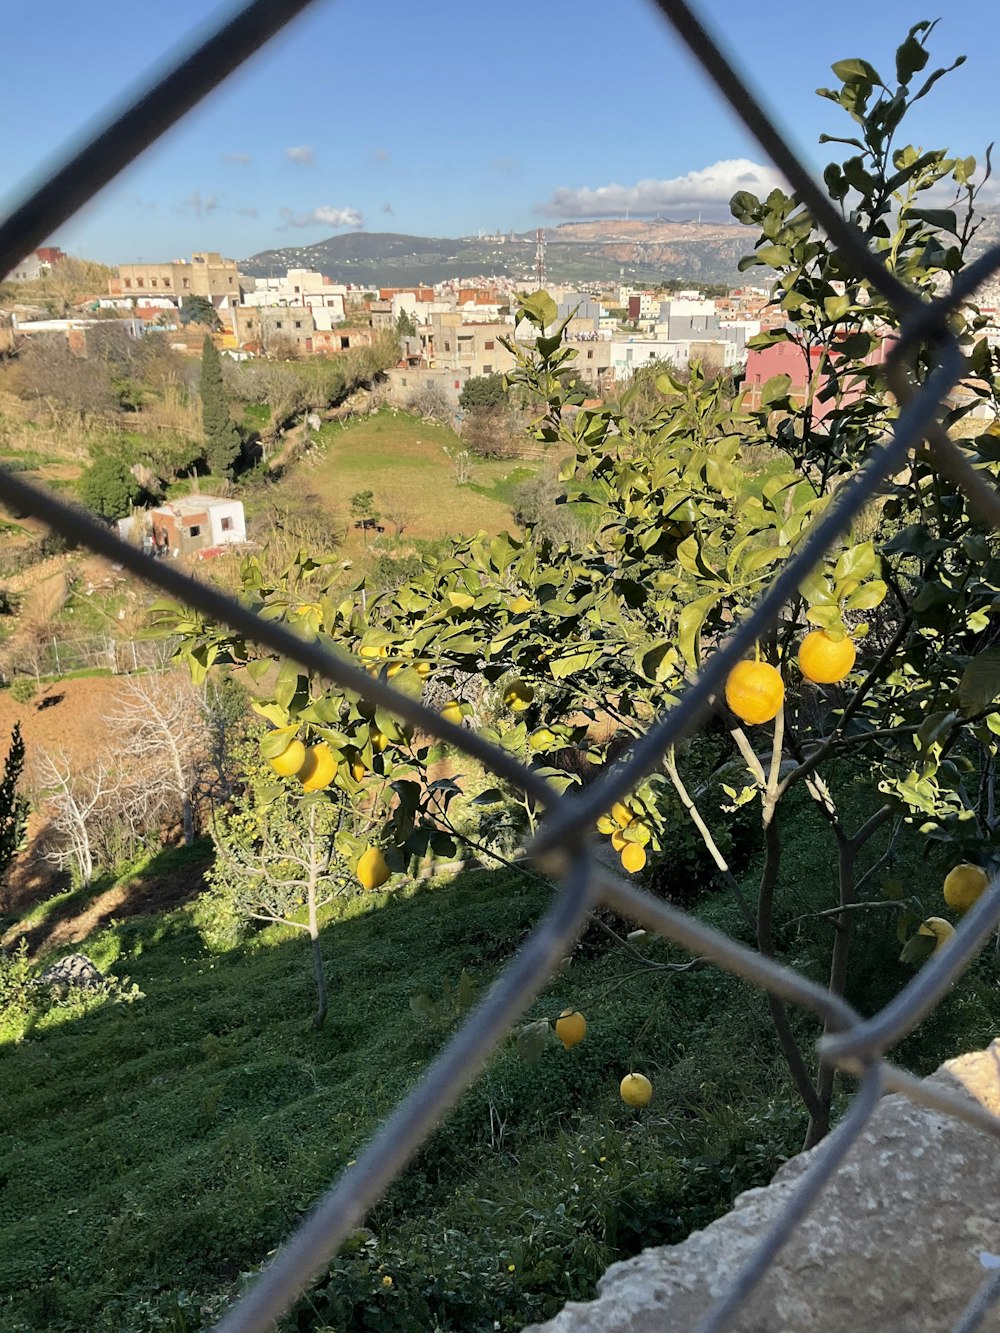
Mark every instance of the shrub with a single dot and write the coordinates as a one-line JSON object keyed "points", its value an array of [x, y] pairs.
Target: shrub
{"points": [[109, 488], [431, 403], [22, 689]]}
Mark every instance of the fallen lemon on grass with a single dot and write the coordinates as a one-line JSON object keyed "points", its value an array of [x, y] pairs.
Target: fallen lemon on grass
{"points": [[291, 759], [823, 660], [372, 869], [571, 1028], [518, 696], [964, 886], [755, 692], [319, 767], [941, 930], [636, 1090]]}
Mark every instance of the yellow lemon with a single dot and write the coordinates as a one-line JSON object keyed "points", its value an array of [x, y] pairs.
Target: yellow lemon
{"points": [[423, 669], [358, 770], [941, 930], [367, 650], [452, 712], [571, 1028], [520, 604], [605, 824], [963, 886], [518, 696], [542, 739], [633, 857], [621, 814], [636, 1090], [379, 740], [755, 691], [618, 840], [824, 660], [372, 868], [291, 759], [319, 768]]}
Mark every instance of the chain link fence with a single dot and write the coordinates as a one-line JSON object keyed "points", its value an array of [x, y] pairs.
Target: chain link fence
{"points": [[563, 846]]}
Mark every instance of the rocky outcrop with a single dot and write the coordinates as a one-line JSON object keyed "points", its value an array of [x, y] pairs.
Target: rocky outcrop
{"points": [[900, 1241]]}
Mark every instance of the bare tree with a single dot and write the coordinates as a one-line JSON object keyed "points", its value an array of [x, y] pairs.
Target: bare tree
{"points": [[273, 860], [78, 805], [161, 728]]}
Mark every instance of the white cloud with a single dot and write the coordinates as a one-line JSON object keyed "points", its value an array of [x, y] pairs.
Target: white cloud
{"points": [[324, 216], [708, 190], [302, 156]]}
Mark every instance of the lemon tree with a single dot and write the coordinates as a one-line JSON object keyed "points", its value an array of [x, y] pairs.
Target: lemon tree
{"points": [[887, 660]]}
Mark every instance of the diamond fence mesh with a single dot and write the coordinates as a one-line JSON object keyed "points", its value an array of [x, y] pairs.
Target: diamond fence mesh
{"points": [[562, 847]]}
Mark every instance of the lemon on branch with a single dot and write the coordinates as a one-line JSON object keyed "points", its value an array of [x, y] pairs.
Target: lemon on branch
{"points": [[372, 869], [518, 696], [964, 886], [824, 660], [291, 759], [319, 767], [571, 1028], [755, 691]]}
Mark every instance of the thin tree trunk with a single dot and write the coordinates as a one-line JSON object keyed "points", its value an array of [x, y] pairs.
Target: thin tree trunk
{"points": [[319, 1018], [779, 1014], [847, 854], [187, 814]]}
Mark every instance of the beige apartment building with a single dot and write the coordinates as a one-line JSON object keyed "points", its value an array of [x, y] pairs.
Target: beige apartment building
{"points": [[205, 274]]}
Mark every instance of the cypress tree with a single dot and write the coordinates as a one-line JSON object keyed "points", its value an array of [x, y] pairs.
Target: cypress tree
{"points": [[13, 806], [222, 439]]}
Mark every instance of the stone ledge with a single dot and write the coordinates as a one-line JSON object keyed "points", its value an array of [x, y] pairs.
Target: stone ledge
{"points": [[893, 1244]]}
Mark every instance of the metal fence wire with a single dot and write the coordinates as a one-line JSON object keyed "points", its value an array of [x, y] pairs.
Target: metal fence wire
{"points": [[563, 846]]}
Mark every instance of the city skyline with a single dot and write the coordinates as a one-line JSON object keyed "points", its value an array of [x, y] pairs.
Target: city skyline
{"points": [[432, 127]]}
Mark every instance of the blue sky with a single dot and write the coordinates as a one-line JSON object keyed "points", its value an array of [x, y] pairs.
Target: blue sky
{"points": [[445, 119]]}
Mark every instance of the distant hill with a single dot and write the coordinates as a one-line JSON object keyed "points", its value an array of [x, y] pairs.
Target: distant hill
{"points": [[646, 251]]}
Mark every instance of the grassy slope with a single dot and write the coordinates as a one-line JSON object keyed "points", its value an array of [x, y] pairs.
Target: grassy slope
{"points": [[165, 1146], [402, 459]]}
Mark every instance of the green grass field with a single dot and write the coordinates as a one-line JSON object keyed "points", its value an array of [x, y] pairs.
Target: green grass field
{"points": [[153, 1152], [402, 459]]}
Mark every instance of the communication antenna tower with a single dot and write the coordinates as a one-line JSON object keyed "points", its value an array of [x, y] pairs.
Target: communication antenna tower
{"points": [[540, 258]]}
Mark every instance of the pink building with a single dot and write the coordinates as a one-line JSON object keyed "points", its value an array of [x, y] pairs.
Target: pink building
{"points": [[787, 358]]}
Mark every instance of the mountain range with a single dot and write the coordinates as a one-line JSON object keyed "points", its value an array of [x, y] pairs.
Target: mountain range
{"points": [[636, 250]]}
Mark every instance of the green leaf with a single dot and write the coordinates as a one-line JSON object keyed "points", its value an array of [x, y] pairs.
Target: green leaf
{"points": [[856, 563], [531, 1041], [911, 57], [775, 390], [918, 948], [941, 219], [980, 683], [287, 684], [836, 307], [277, 742], [258, 669], [491, 796], [689, 625], [274, 713], [855, 71], [867, 597]]}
